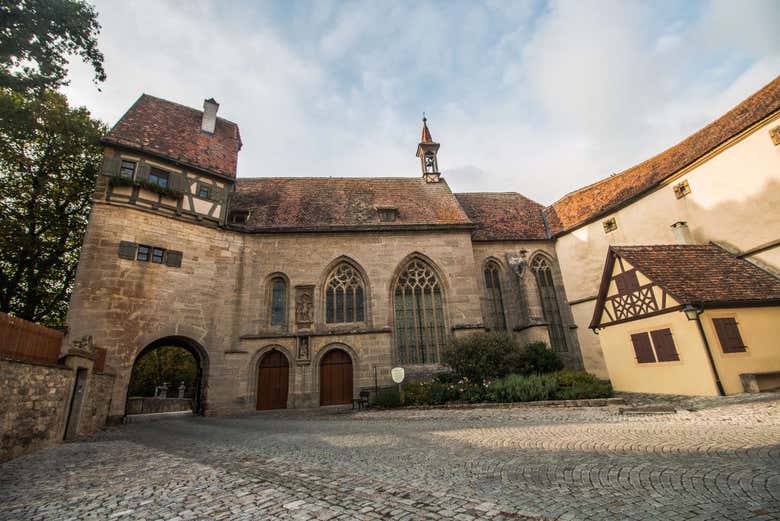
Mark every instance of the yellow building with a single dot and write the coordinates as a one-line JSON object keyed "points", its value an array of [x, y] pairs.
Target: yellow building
{"points": [[687, 319]]}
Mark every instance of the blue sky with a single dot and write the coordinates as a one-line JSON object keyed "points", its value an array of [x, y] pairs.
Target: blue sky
{"points": [[535, 97]]}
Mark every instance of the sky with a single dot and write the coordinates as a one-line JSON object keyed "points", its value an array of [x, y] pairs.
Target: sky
{"points": [[532, 96]]}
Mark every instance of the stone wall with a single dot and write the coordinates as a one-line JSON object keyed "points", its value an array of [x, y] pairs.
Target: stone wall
{"points": [[34, 401]]}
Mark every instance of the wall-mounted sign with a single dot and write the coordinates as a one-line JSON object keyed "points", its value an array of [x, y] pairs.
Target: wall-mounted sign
{"points": [[397, 373]]}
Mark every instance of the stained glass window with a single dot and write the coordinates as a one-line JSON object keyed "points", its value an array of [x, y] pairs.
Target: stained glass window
{"points": [[552, 314], [495, 302], [344, 295], [278, 301], [419, 314]]}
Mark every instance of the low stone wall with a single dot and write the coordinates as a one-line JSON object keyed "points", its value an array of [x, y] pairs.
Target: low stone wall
{"points": [[144, 405], [34, 402]]}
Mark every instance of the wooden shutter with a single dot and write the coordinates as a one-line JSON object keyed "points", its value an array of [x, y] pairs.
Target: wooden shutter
{"points": [[177, 182], [627, 282], [216, 193], [642, 348], [664, 345], [111, 166], [173, 258], [728, 334], [142, 172], [127, 250]]}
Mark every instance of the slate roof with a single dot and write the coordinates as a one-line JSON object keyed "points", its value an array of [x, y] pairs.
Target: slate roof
{"points": [[172, 131], [609, 194], [503, 216], [316, 203]]}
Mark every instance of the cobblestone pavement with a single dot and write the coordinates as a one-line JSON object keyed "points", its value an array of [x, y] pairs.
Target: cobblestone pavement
{"points": [[718, 460]]}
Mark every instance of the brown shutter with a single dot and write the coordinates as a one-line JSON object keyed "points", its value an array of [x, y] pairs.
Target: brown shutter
{"points": [[111, 166], [627, 282], [642, 348], [216, 193], [177, 183], [664, 345], [142, 172], [173, 258], [127, 250], [728, 334]]}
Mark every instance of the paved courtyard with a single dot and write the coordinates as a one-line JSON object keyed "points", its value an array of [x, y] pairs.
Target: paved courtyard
{"points": [[720, 460]]}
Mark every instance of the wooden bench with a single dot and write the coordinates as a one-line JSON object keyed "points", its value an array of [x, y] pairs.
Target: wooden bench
{"points": [[362, 401]]}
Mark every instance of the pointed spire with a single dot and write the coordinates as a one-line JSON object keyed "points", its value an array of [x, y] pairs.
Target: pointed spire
{"points": [[426, 134]]}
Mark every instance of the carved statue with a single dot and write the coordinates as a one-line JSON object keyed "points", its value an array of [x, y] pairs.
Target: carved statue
{"points": [[518, 262], [304, 305], [83, 344], [303, 348]]}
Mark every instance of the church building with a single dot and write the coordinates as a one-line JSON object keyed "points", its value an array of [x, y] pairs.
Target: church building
{"points": [[301, 291]]}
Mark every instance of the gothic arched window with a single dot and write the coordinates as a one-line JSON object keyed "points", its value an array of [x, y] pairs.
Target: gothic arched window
{"points": [[549, 297], [419, 314], [345, 295], [278, 301], [495, 302]]}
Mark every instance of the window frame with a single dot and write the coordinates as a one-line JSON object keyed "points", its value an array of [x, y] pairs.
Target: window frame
{"points": [[496, 310], [273, 280], [147, 253], [550, 301], [154, 255], [158, 174], [122, 163], [337, 293], [205, 187]]}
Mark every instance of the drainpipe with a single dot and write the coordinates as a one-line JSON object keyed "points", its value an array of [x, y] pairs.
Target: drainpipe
{"points": [[698, 311]]}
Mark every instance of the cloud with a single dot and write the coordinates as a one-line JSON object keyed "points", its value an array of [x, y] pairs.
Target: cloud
{"points": [[535, 97]]}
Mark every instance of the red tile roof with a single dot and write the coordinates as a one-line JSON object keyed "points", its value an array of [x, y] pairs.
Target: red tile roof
{"points": [[426, 134], [173, 132], [608, 195], [276, 204], [503, 216]]}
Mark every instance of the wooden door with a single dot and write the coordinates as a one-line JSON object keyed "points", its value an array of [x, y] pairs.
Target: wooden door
{"points": [[74, 412], [336, 378], [272, 381]]}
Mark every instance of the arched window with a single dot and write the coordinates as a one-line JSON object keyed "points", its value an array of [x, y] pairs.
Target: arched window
{"points": [[419, 314], [552, 314], [495, 302], [278, 302], [345, 295]]}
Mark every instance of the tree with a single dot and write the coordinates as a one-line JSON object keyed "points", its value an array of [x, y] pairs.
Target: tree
{"points": [[167, 364], [50, 155], [38, 36]]}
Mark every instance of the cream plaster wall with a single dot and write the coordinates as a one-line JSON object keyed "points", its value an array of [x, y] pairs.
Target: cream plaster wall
{"points": [[734, 199], [760, 330], [691, 375]]}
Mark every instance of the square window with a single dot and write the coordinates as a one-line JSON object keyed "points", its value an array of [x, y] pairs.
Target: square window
{"points": [[387, 214], [610, 225], [143, 253], [682, 189], [157, 255], [158, 177], [204, 192], [127, 170]]}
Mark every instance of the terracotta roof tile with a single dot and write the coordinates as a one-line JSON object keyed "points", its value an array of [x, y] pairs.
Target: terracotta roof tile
{"points": [[316, 202], [704, 274], [173, 131], [503, 216], [426, 134], [611, 193]]}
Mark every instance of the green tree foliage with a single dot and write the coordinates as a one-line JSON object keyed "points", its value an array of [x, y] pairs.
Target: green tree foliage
{"points": [[483, 356], [38, 36], [171, 365], [49, 158]]}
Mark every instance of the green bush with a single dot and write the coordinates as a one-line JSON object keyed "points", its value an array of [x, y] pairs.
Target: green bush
{"points": [[575, 385], [388, 397], [484, 356], [517, 388], [539, 359]]}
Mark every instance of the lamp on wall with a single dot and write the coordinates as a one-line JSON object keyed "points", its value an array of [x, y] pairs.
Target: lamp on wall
{"points": [[691, 312]]}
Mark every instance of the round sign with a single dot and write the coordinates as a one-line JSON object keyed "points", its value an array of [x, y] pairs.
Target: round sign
{"points": [[398, 374]]}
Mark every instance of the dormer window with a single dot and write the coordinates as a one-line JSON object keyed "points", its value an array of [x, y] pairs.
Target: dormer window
{"points": [[158, 177], [238, 217], [387, 214]]}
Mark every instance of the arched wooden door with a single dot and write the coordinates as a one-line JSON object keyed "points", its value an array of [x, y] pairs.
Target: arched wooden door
{"points": [[336, 378], [272, 381]]}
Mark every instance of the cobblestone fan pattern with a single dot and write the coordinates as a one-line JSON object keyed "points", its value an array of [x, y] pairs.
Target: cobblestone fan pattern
{"points": [[715, 459]]}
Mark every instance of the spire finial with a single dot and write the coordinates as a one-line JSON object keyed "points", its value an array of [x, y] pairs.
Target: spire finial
{"points": [[426, 134]]}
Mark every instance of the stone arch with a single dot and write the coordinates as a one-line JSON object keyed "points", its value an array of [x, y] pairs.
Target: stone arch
{"points": [[317, 361], [544, 268], [441, 323], [201, 358], [254, 366], [324, 277], [493, 282]]}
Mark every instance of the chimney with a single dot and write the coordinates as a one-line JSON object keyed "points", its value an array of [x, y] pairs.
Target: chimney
{"points": [[209, 122], [682, 234]]}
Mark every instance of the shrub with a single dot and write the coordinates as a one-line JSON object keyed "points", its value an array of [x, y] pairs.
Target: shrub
{"points": [[484, 356], [539, 359], [387, 397], [517, 388], [575, 385]]}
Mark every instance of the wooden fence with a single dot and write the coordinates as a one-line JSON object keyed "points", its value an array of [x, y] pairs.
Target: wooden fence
{"points": [[25, 340]]}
